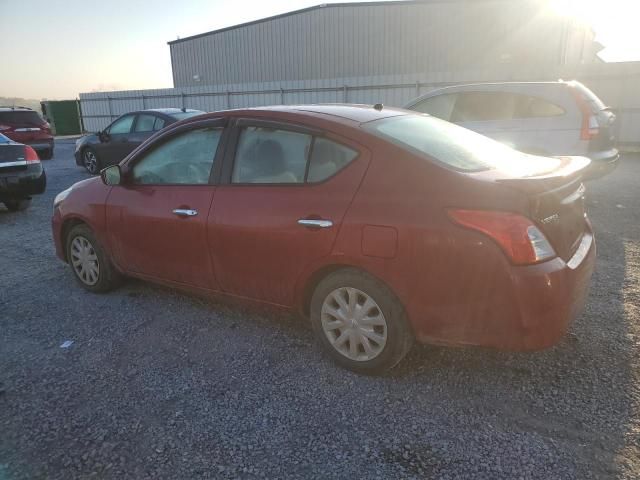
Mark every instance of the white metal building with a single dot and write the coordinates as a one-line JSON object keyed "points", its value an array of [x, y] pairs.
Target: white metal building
{"points": [[382, 38]]}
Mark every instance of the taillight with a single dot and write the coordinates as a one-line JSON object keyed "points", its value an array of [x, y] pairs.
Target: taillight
{"points": [[519, 238], [4, 128], [590, 127], [46, 127], [30, 155]]}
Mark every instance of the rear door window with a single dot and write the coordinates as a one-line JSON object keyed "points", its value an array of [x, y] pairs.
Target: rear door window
{"points": [[533, 107], [266, 155], [484, 106], [440, 106], [145, 123], [159, 123]]}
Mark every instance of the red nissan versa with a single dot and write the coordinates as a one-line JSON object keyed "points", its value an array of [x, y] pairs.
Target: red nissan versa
{"points": [[382, 225]]}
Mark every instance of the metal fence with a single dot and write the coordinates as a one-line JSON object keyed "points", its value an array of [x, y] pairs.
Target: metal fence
{"points": [[616, 84]]}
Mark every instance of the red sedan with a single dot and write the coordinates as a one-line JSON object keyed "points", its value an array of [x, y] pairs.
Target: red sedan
{"points": [[381, 225]]}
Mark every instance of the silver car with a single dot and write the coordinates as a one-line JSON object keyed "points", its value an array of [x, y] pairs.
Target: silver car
{"points": [[541, 118]]}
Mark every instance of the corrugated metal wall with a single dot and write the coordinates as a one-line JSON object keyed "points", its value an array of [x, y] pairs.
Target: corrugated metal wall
{"points": [[338, 41], [617, 84]]}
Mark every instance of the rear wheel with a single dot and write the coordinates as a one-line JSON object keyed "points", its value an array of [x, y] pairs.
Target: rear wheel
{"points": [[17, 204], [89, 261], [359, 322], [90, 161]]}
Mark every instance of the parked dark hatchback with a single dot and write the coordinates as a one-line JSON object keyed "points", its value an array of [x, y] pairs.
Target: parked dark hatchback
{"points": [[382, 225], [111, 145]]}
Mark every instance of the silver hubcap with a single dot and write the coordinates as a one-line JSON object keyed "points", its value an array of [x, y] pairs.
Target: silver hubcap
{"points": [[84, 260], [90, 161], [354, 324]]}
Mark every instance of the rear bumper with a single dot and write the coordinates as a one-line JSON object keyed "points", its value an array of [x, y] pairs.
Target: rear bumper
{"points": [[531, 313], [602, 163], [39, 145], [22, 183]]}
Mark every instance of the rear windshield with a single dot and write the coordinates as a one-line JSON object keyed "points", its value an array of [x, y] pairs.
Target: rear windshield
{"points": [[21, 117], [457, 147], [183, 115], [4, 139]]}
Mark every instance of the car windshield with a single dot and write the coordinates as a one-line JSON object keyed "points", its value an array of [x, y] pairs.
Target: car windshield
{"points": [[457, 147], [187, 114]]}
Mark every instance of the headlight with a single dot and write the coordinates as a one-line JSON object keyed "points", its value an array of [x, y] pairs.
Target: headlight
{"points": [[61, 196]]}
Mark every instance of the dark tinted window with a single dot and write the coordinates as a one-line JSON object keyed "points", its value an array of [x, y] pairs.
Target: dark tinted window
{"points": [[267, 155], [145, 123], [484, 106], [328, 158], [122, 125], [22, 117], [185, 159]]}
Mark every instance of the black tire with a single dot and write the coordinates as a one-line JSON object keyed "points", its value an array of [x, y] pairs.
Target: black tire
{"points": [[90, 161], [17, 204], [399, 334], [108, 277], [46, 154]]}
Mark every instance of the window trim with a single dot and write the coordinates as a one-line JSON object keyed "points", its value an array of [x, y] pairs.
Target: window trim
{"points": [[148, 146], [236, 126]]}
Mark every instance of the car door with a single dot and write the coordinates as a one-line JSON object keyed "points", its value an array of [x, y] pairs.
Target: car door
{"points": [[157, 218], [114, 141], [280, 204]]}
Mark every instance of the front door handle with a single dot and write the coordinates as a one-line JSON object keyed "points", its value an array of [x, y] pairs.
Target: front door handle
{"points": [[313, 223], [185, 212]]}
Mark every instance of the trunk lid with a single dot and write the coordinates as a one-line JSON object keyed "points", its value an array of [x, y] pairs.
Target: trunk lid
{"points": [[556, 202], [12, 157]]}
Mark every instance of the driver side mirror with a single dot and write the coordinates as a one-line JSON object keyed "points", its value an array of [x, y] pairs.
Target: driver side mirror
{"points": [[111, 176], [103, 136]]}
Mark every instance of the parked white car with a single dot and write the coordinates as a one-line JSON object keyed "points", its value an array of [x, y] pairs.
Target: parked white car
{"points": [[542, 118]]}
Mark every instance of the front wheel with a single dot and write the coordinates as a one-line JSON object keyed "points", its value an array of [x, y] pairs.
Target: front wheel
{"points": [[360, 322], [90, 161], [89, 261], [17, 204]]}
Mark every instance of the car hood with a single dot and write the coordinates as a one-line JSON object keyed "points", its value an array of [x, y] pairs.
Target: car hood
{"points": [[87, 139]]}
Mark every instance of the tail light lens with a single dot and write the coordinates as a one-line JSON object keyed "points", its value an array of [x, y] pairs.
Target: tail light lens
{"points": [[590, 127], [30, 155], [5, 128], [517, 236], [46, 127]]}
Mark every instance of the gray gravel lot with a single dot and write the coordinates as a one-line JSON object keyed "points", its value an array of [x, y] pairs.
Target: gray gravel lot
{"points": [[159, 384]]}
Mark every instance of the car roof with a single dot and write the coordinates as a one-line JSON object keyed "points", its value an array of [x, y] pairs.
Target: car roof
{"points": [[169, 110], [6, 108], [355, 113]]}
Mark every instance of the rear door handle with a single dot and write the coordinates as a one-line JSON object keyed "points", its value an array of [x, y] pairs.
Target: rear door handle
{"points": [[313, 223], [185, 212]]}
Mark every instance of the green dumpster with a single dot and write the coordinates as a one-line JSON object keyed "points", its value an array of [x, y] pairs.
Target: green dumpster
{"points": [[63, 115]]}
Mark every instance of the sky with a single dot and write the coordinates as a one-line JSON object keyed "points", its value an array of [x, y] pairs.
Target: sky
{"points": [[60, 48]]}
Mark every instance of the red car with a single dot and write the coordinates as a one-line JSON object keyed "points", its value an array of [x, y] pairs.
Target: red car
{"points": [[381, 225], [24, 125]]}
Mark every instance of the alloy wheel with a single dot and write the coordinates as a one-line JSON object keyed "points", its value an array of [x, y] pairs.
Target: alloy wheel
{"points": [[84, 260], [354, 324], [90, 161]]}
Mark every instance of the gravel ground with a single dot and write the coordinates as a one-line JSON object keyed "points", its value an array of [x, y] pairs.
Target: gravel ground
{"points": [[158, 384]]}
